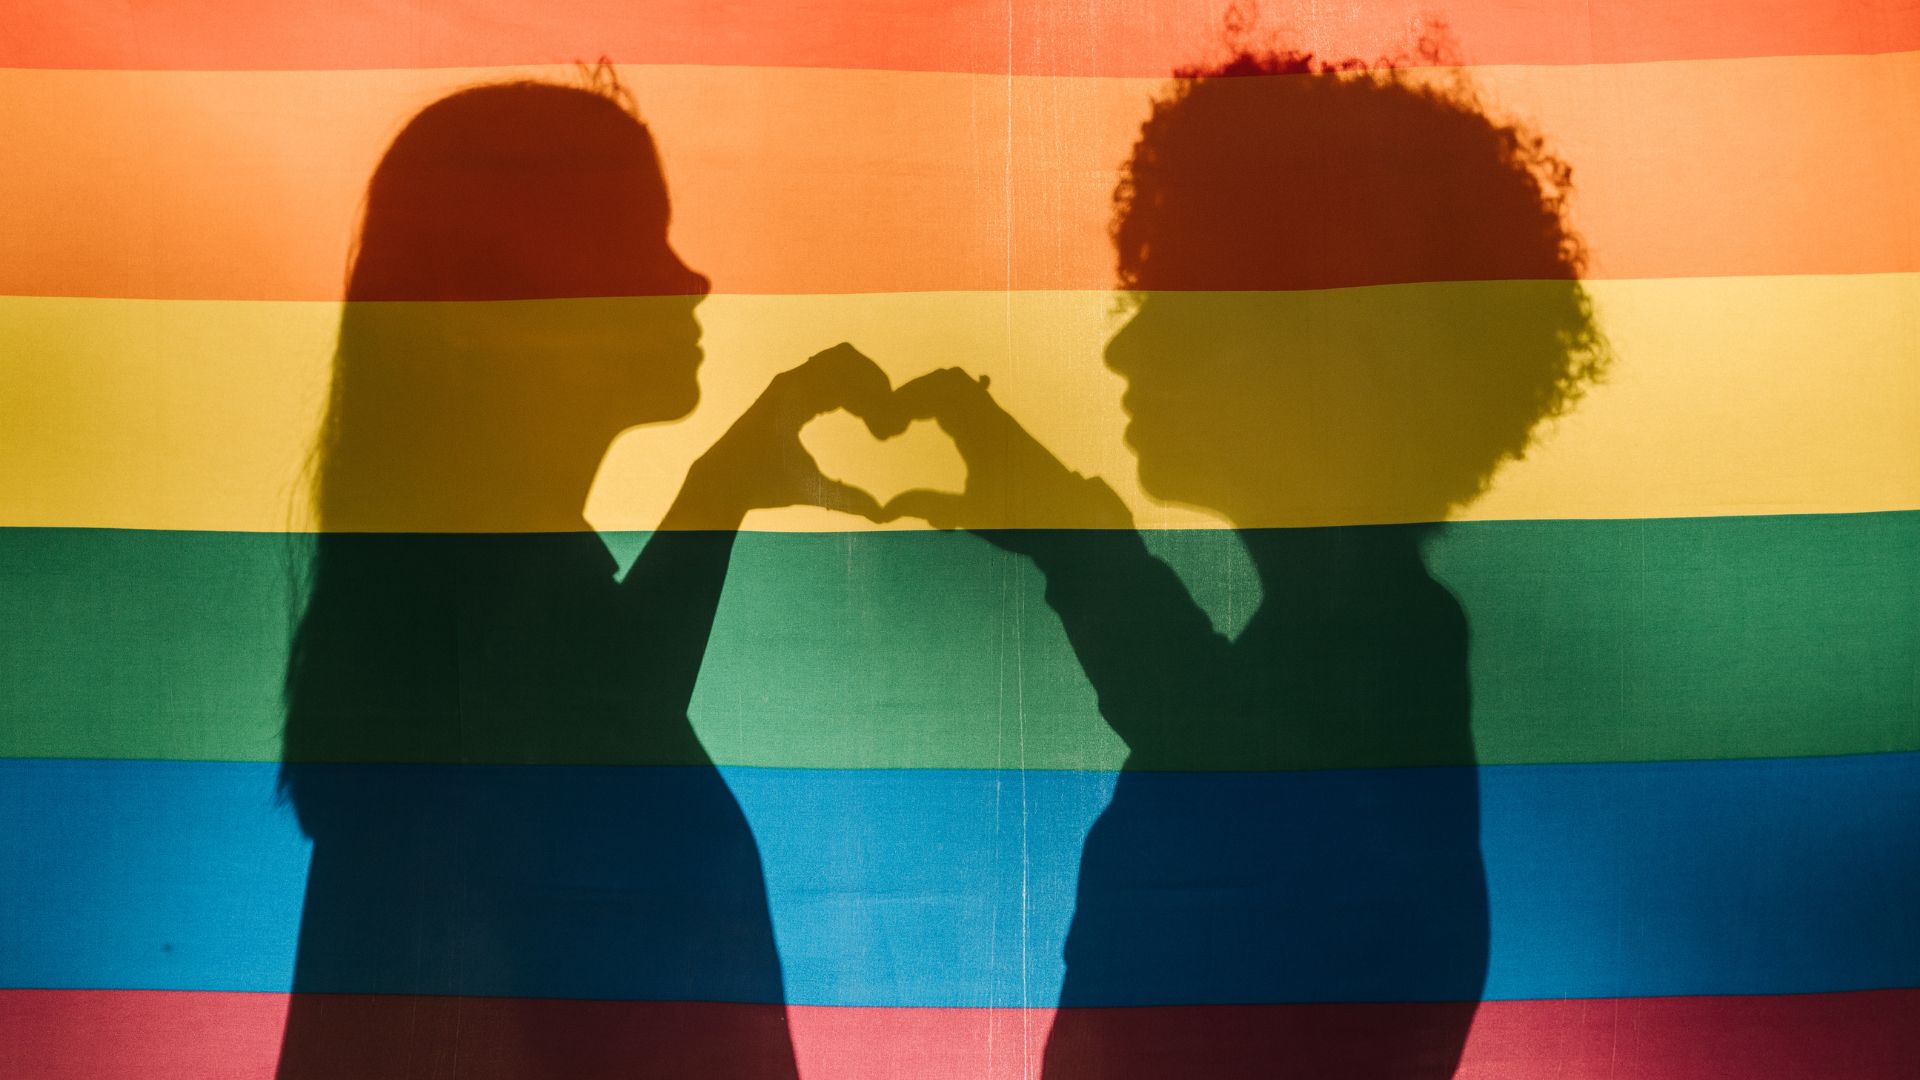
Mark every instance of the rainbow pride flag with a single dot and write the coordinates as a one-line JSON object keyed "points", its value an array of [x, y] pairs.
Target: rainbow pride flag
{"points": [[378, 699]]}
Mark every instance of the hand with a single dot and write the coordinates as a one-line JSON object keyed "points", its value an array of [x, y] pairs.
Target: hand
{"points": [[1012, 480], [759, 463]]}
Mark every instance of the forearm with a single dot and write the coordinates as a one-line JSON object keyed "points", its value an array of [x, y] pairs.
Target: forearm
{"points": [[672, 592], [1150, 652]]}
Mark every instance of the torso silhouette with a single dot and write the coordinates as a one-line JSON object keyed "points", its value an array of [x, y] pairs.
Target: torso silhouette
{"points": [[1307, 881], [506, 868]]}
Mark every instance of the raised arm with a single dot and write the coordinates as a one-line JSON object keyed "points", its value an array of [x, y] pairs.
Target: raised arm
{"points": [[673, 589], [1150, 652]]}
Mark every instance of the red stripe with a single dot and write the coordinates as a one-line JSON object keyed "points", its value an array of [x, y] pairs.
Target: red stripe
{"points": [[1049, 37], [152, 1035]]}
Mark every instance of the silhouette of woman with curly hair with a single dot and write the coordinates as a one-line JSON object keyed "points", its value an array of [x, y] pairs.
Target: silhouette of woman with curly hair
{"points": [[1258, 858]]}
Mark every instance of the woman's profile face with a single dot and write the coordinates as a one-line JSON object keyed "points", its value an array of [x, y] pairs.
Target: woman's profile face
{"points": [[616, 332], [598, 333], [1217, 413], [637, 351], [541, 212]]}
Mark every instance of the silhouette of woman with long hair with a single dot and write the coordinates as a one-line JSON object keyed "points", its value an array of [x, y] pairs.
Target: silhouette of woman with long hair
{"points": [[1257, 849], [487, 736]]}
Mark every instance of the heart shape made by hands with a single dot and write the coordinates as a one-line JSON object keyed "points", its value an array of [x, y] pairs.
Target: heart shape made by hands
{"points": [[922, 456]]}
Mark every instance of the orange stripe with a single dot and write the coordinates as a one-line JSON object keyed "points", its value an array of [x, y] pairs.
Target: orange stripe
{"points": [[1042, 37], [246, 185]]}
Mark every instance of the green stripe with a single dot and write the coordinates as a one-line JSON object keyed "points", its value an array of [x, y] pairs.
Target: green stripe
{"points": [[1591, 641]]}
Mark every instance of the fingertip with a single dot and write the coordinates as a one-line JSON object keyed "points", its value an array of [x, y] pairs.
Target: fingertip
{"points": [[842, 497], [888, 425], [938, 509]]}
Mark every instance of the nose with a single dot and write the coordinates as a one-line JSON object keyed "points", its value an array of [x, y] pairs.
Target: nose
{"points": [[690, 282]]}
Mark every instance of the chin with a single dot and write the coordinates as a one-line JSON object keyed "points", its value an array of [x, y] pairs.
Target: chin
{"points": [[682, 401], [1155, 481], [662, 404], [1184, 481]]}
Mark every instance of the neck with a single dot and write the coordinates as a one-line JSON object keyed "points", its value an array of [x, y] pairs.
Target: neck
{"points": [[1341, 559], [530, 483]]}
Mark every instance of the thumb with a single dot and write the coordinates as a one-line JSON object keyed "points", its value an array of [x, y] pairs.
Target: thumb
{"points": [[838, 495], [940, 509]]}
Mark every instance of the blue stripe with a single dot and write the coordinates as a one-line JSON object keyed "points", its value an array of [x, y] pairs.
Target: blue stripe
{"points": [[955, 888]]}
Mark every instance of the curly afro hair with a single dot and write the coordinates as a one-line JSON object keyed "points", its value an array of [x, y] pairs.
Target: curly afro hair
{"points": [[1278, 171]]}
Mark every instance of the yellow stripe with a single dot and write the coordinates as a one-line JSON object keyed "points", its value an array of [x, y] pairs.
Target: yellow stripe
{"points": [[1728, 396]]}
